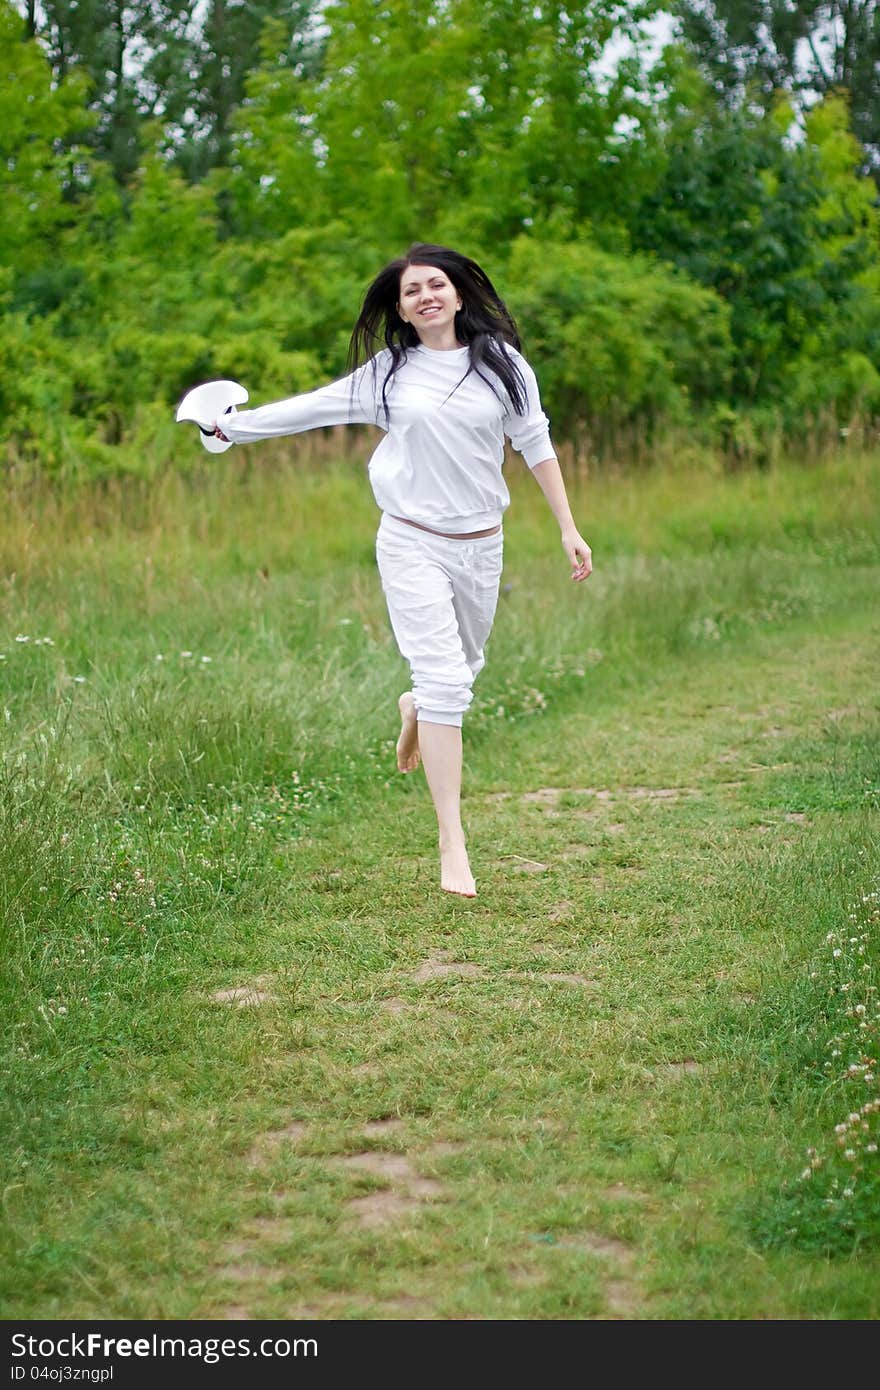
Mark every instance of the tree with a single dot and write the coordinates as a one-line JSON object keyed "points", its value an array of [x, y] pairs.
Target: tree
{"points": [[460, 119], [204, 78], [781, 232], [622, 340], [101, 40], [802, 47], [173, 62], [38, 117]]}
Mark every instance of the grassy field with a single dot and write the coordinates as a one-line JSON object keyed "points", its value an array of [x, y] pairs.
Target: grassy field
{"points": [[257, 1065]]}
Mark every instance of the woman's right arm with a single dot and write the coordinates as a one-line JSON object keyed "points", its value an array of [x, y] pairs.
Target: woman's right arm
{"points": [[349, 401]]}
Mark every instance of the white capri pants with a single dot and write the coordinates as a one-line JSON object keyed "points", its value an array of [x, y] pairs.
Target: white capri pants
{"points": [[441, 595]]}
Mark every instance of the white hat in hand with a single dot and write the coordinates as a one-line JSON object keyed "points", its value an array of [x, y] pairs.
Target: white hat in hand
{"points": [[206, 403]]}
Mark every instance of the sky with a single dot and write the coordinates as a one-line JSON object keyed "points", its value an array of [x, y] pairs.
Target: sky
{"points": [[659, 32]]}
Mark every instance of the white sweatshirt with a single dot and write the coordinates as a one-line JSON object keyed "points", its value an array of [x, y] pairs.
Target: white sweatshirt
{"points": [[441, 460]]}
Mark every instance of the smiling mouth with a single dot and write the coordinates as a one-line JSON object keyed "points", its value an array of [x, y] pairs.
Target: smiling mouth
{"points": [[434, 309]]}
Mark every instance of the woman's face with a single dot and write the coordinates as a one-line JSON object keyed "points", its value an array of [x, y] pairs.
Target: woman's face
{"points": [[428, 299]]}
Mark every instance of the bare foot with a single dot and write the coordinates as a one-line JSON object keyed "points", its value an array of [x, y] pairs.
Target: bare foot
{"points": [[455, 872], [408, 757]]}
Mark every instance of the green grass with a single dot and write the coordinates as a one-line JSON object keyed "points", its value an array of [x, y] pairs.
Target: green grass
{"points": [[589, 1093]]}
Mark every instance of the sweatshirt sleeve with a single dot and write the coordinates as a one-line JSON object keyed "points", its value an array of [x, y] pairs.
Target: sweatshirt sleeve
{"points": [[349, 401], [529, 433]]}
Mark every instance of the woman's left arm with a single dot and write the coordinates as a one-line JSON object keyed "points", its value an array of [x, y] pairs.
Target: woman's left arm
{"points": [[551, 483]]}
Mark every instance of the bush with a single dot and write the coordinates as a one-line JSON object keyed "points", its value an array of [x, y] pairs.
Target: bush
{"points": [[620, 339]]}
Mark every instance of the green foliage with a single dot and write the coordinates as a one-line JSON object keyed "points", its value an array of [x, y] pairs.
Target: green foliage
{"points": [[788, 236], [155, 61], [813, 46], [619, 339], [837, 366], [673, 261], [35, 116]]}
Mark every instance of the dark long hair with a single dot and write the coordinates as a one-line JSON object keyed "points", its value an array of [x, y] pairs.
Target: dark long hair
{"points": [[483, 322]]}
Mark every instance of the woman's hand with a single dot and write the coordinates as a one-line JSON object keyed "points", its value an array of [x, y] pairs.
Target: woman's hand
{"points": [[579, 554]]}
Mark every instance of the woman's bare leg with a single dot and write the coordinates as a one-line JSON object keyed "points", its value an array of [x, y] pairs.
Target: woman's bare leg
{"points": [[440, 746]]}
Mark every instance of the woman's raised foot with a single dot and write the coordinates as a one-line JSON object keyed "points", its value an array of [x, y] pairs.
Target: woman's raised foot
{"points": [[408, 757]]}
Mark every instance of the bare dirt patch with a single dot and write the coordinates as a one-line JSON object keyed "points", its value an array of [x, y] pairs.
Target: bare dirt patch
{"points": [[549, 796], [442, 1148], [621, 1299], [403, 1196], [246, 996], [527, 1276], [378, 1129], [676, 1070], [576, 852], [619, 1192], [799, 817], [660, 793], [559, 911], [376, 1210], [405, 1306], [544, 796], [237, 1249], [389, 1167], [394, 1006], [270, 1228], [368, 1069], [267, 1144], [394, 1168], [606, 1247], [243, 1273], [615, 1257], [581, 981], [845, 712], [438, 966]]}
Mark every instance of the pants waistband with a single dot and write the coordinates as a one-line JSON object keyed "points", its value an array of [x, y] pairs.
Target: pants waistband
{"points": [[399, 527]]}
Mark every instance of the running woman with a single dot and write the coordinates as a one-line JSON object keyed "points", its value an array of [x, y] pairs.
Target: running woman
{"points": [[445, 378]]}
